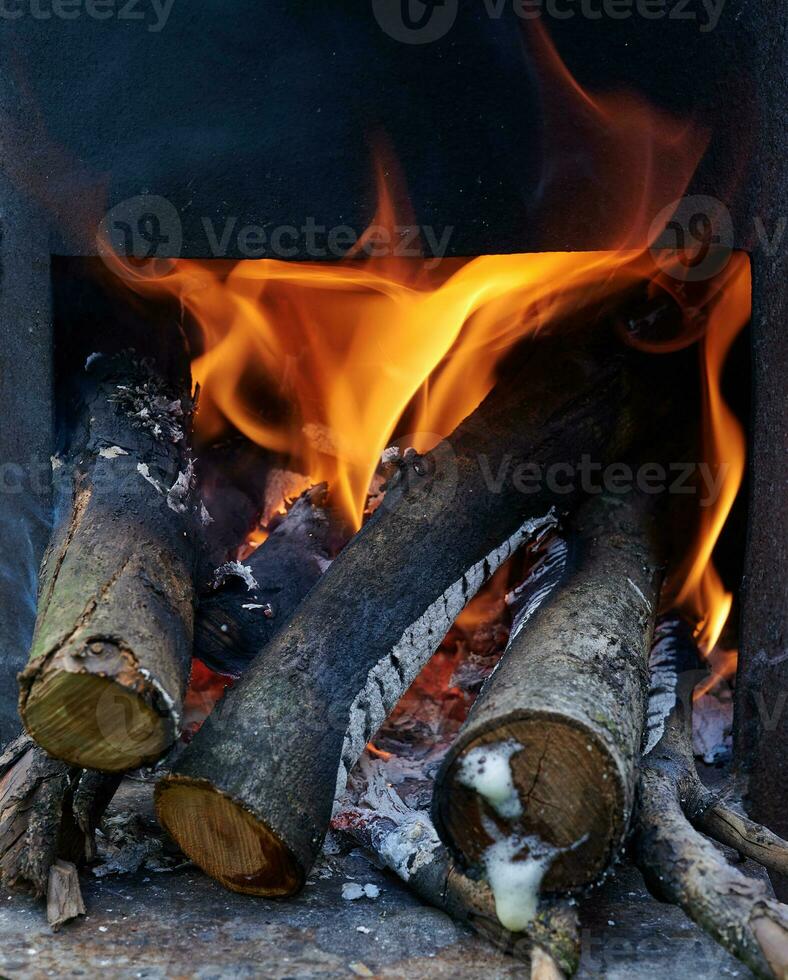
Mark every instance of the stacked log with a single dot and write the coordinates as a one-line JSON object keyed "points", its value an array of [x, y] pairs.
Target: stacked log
{"points": [[251, 600], [681, 864], [251, 798]]}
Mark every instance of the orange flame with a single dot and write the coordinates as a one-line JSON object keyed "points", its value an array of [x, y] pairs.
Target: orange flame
{"points": [[723, 666], [634, 158], [321, 361], [325, 363], [702, 594]]}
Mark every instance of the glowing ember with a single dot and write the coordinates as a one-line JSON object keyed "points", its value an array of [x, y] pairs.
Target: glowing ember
{"points": [[206, 687]]}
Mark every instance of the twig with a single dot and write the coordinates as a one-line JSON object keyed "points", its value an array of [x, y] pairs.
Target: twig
{"points": [[684, 866]]}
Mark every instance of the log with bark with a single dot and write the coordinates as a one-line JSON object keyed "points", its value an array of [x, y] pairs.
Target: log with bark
{"points": [[679, 863], [251, 798], [545, 768], [112, 647]]}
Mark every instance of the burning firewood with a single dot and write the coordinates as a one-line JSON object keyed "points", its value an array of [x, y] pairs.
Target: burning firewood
{"points": [[251, 798], [232, 476], [541, 780], [113, 639], [253, 599], [384, 809], [678, 862]]}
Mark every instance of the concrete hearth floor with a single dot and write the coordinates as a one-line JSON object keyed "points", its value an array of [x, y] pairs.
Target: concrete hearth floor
{"points": [[179, 924]]}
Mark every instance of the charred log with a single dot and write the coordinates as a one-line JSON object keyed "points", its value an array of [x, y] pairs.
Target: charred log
{"points": [[251, 798], [34, 814], [112, 647], [232, 477], [549, 751], [254, 599], [679, 863]]}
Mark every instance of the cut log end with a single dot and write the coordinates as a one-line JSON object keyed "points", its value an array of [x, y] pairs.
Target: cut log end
{"points": [[225, 840], [567, 788], [95, 720]]}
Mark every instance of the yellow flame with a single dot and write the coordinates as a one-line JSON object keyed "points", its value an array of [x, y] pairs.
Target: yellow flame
{"points": [[702, 594], [323, 363]]}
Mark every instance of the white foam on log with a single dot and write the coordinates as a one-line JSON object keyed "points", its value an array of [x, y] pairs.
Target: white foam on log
{"points": [[486, 771], [514, 881]]}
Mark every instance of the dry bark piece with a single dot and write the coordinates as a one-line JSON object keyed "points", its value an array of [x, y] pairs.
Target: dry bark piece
{"points": [[269, 762], [243, 613], [683, 866], [64, 898], [566, 706], [543, 966], [112, 647]]}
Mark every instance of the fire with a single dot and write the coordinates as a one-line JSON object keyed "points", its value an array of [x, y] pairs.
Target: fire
{"points": [[326, 363], [625, 158], [723, 666], [323, 362], [702, 595]]}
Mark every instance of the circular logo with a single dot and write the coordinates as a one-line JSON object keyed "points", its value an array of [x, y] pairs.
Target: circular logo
{"points": [[415, 21], [141, 237], [692, 238]]}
